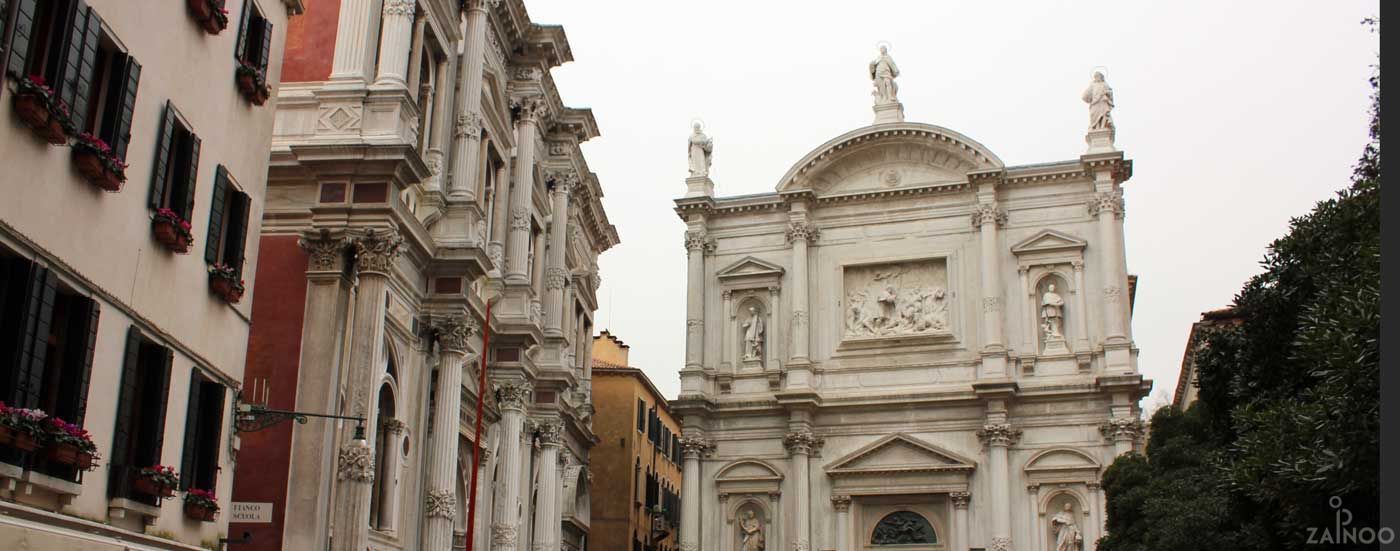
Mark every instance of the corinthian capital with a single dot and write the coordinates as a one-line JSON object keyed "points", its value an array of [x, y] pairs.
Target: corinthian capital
{"points": [[549, 431], [695, 240], [1106, 202], [376, 250], [513, 395], [531, 109], [960, 499], [999, 434], [803, 442], [988, 213], [324, 252], [454, 332], [561, 181], [695, 447], [1122, 429], [804, 231]]}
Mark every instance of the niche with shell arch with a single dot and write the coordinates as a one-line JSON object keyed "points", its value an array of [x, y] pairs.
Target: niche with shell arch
{"points": [[740, 523]]}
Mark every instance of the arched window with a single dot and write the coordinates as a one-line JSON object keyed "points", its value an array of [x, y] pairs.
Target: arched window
{"points": [[903, 528]]}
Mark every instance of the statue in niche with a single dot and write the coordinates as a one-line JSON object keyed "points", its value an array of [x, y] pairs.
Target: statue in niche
{"points": [[1067, 534], [751, 532], [883, 71], [1099, 96], [701, 149], [1052, 314], [753, 335]]}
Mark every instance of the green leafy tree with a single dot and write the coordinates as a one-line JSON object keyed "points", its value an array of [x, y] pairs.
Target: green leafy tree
{"points": [[1288, 414]]}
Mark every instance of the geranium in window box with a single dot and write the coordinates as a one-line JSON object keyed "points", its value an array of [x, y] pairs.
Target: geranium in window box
{"points": [[172, 231], [158, 480], [21, 429], [252, 83], [68, 444], [97, 163], [210, 14], [224, 282], [41, 110], [201, 505]]}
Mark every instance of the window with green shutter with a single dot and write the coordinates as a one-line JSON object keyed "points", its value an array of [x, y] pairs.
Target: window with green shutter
{"points": [[138, 436], [228, 222], [176, 165], [204, 415]]}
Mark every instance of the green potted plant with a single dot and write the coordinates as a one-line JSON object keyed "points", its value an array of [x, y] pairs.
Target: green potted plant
{"points": [[171, 230], [158, 480], [96, 161], [201, 505], [68, 444], [41, 110], [224, 282], [211, 14], [21, 429]]}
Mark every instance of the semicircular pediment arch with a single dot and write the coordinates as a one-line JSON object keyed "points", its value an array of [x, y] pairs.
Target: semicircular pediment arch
{"points": [[889, 156]]}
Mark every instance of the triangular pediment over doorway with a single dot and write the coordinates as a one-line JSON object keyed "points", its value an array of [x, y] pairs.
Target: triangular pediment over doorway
{"points": [[1049, 241], [899, 453], [750, 267]]}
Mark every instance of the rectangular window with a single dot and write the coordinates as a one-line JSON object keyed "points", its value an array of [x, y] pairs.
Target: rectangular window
{"points": [[254, 38], [47, 336], [176, 165], [228, 222], [204, 423], [641, 416], [142, 395]]}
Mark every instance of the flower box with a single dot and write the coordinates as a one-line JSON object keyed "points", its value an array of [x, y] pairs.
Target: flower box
{"points": [[41, 111], [200, 9], [252, 84], [224, 282], [69, 454], [96, 161], [152, 488], [200, 512], [212, 17], [18, 439], [22, 429], [90, 165], [33, 110], [172, 231]]}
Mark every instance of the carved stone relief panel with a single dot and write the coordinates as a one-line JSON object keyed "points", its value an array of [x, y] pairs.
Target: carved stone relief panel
{"points": [[896, 299]]}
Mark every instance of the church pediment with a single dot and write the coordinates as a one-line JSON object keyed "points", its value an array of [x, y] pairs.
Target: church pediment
{"points": [[751, 267], [904, 155], [898, 453], [1049, 241]]}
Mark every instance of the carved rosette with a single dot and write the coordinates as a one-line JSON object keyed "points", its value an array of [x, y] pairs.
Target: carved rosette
{"points": [[469, 125], [376, 250], [453, 333], [555, 278], [999, 434], [1000, 543], [324, 253], [695, 447], [988, 213], [841, 503], [440, 503], [804, 231], [550, 432], [503, 536], [960, 499], [1118, 429], [513, 395], [802, 443], [1108, 201], [355, 463]]}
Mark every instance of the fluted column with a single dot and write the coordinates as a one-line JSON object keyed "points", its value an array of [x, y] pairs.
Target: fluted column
{"points": [[505, 531], [800, 233], [500, 223], [517, 270], [774, 332], [388, 501], [800, 446], [842, 505], [999, 437], [356, 29], [483, 496], [1107, 207], [454, 336], [395, 42], [375, 252], [546, 517], [693, 447], [557, 274], [696, 242], [988, 218], [961, 538]]}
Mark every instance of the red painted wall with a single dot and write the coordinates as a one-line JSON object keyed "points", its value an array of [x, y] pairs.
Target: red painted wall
{"points": [[274, 350], [310, 47]]}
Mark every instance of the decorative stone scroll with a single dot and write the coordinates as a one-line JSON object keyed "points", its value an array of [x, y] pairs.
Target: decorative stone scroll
{"points": [[376, 250], [453, 333], [440, 503], [896, 299], [999, 434], [803, 443], [355, 463]]}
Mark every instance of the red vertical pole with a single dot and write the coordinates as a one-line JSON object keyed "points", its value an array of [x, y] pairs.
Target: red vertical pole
{"points": [[481, 391]]}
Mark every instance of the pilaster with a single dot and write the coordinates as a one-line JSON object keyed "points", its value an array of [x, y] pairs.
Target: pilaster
{"points": [[801, 445], [800, 234]]}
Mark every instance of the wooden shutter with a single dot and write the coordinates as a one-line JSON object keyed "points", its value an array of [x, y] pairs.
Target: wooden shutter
{"points": [[217, 205], [189, 456], [85, 371], [34, 341], [240, 237], [240, 50], [160, 402], [162, 161], [4, 19], [81, 65], [265, 49], [119, 481], [23, 33], [122, 136], [191, 179], [212, 430], [70, 58]]}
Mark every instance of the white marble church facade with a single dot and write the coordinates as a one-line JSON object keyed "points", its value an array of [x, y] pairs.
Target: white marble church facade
{"points": [[876, 356]]}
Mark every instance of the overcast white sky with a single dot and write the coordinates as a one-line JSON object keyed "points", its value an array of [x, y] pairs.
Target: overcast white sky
{"points": [[1238, 116]]}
